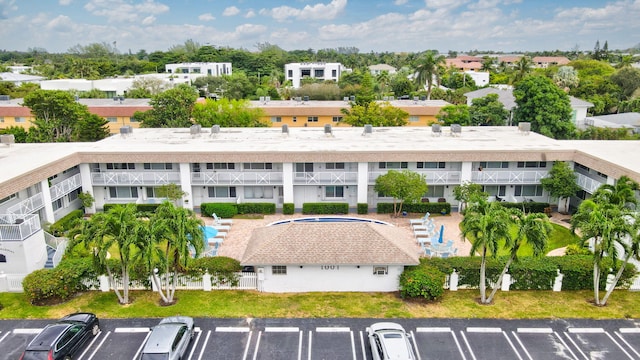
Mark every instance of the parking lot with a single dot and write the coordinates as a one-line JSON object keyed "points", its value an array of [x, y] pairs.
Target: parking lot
{"points": [[345, 339]]}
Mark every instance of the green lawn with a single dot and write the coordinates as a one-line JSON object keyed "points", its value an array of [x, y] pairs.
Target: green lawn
{"points": [[242, 304]]}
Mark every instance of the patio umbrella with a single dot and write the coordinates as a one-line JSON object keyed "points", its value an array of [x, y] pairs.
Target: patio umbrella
{"points": [[441, 235]]}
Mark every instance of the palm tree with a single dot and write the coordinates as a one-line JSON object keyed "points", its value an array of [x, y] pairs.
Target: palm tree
{"points": [[488, 223], [383, 79], [622, 194], [534, 229], [182, 231], [428, 66], [631, 249], [522, 68]]}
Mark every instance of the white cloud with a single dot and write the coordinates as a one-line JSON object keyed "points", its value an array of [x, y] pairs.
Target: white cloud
{"points": [[400, 2], [122, 11], [231, 11], [250, 14], [206, 17], [446, 4], [64, 2], [148, 20], [312, 12]]}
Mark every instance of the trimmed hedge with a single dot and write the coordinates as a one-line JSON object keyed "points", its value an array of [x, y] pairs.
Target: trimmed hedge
{"points": [[422, 281], [142, 208], [433, 208], [223, 210], [222, 269], [532, 273], [65, 223], [256, 208], [325, 208], [529, 207], [46, 286], [363, 208], [288, 208]]}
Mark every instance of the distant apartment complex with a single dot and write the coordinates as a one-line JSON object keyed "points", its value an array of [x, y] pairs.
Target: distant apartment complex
{"points": [[295, 72], [201, 68]]}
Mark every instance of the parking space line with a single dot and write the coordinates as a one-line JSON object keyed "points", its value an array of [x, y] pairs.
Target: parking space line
{"points": [[512, 346], [300, 346], [455, 338], [99, 345], [484, 330], [255, 352], [353, 345], [281, 329], [473, 356], [535, 330], [585, 330], [621, 348], [204, 345], [246, 347], [4, 336], [576, 346], [333, 329], [232, 329], [364, 354], [309, 352], [27, 331], [629, 330], [131, 330], [433, 329], [142, 345], [415, 345], [526, 352], [622, 339], [195, 343], [90, 344], [565, 345]]}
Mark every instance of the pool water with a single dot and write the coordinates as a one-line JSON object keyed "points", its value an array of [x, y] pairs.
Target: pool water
{"points": [[329, 219]]}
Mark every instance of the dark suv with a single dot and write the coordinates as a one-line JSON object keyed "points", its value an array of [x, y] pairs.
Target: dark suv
{"points": [[62, 339]]}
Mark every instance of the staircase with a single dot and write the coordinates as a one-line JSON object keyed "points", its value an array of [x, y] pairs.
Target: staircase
{"points": [[50, 253]]}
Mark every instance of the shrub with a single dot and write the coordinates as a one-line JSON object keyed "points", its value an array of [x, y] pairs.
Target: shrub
{"points": [[256, 208], [223, 210], [577, 249], [527, 206], [288, 208], [223, 269], [422, 281], [60, 227], [363, 208], [433, 208], [142, 208], [325, 208], [46, 286]]}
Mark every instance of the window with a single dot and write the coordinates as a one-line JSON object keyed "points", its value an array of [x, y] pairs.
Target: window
{"points": [[123, 192], [380, 270], [12, 196], [337, 119], [602, 175], [495, 190], [94, 167], [305, 72], [435, 191], [294, 119], [71, 169], [222, 191], [3, 259], [1, 119], [414, 118], [279, 270], [151, 192], [334, 73], [431, 165], [276, 119], [74, 194], [132, 120], [393, 165], [312, 119], [20, 119], [57, 204], [112, 119], [580, 166], [290, 73], [528, 190], [319, 73], [334, 191], [158, 166], [304, 167], [121, 166], [257, 166], [221, 166], [334, 166], [532, 164], [258, 192], [494, 165]]}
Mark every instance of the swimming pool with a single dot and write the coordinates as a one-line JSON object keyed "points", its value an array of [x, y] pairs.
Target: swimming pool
{"points": [[329, 219]]}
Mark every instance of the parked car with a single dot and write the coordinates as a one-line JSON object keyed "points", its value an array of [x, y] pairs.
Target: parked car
{"points": [[62, 339], [389, 341], [169, 339]]}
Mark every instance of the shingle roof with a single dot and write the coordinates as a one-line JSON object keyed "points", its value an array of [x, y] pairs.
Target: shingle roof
{"points": [[331, 243]]}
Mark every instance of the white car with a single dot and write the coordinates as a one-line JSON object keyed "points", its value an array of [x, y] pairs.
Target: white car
{"points": [[169, 339], [389, 341]]}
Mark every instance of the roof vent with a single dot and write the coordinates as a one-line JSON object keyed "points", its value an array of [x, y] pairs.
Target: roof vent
{"points": [[368, 130], [327, 130], [391, 98], [456, 129], [423, 98], [305, 99], [285, 129], [126, 130], [436, 129], [7, 139], [5, 97], [352, 98], [215, 129], [118, 98], [524, 127], [195, 129]]}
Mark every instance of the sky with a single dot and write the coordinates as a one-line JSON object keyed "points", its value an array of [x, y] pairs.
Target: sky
{"points": [[369, 25]]}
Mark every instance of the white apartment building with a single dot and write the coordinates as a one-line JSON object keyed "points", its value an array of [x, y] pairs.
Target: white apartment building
{"points": [[295, 72], [201, 68]]}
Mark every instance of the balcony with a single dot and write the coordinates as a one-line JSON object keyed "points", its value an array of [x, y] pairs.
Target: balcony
{"points": [[588, 184], [441, 177], [325, 178], [65, 187], [18, 227], [148, 178], [236, 178], [508, 177], [28, 206]]}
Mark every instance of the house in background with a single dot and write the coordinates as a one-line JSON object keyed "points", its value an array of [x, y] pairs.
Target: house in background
{"points": [[630, 120], [200, 68], [379, 68], [295, 72], [544, 62], [330, 256]]}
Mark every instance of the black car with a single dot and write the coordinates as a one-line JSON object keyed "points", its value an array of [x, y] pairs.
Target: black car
{"points": [[62, 339]]}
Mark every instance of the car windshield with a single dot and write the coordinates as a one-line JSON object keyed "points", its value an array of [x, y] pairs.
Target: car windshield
{"points": [[163, 356], [35, 355]]}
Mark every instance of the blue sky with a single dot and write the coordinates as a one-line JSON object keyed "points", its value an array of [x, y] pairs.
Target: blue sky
{"points": [[369, 25]]}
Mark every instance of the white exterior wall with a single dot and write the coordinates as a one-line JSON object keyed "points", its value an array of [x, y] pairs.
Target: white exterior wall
{"points": [[481, 78], [24, 256], [296, 69], [305, 278], [200, 68], [581, 114]]}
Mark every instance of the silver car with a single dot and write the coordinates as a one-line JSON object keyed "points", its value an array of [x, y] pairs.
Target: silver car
{"points": [[169, 339], [389, 341]]}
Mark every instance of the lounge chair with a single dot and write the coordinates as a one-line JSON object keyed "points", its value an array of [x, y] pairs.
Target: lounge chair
{"points": [[445, 255], [422, 220], [423, 234], [221, 234], [220, 221], [222, 227], [427, 252]]}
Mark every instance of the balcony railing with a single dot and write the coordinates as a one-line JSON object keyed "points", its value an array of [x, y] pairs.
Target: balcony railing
{"points": [[28, 206], [508, 177], [135, 178], [432, 177], [588, 184], [65, 187], [17, 227], [236, 178], [325, 178]]}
